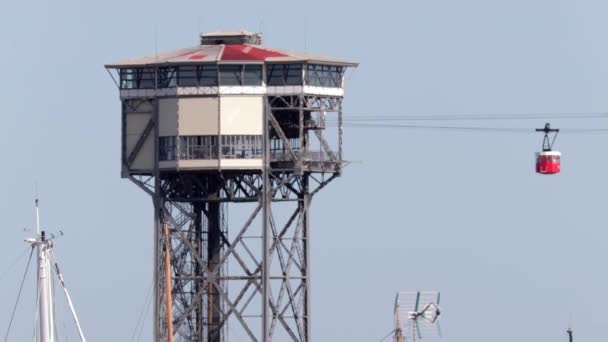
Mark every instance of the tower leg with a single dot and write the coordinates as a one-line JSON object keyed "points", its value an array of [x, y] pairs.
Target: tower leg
{"points": [[214, 246]]}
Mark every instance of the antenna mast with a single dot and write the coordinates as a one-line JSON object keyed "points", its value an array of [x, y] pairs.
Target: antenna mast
{"points": [[45, 282], [46, 305]]}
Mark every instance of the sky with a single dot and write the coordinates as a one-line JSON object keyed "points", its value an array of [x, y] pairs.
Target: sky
{"points": [[516, 255]]}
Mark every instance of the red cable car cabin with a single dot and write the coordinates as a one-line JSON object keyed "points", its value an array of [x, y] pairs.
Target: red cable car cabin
{"points": [[548, 162]]}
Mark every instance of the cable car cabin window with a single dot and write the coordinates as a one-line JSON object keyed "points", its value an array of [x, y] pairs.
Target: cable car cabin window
{"points": [[324, 75], [231, 75], [208, 76], [187, 76], [284, 74], [252, 75]]}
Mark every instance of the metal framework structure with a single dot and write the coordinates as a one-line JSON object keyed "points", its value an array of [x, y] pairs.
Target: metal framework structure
{"points": [[254, 276]]}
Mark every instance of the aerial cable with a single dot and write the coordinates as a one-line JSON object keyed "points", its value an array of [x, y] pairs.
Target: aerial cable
{"points": [[471, 117], [466, 128], [459, 128], [8, 330]]}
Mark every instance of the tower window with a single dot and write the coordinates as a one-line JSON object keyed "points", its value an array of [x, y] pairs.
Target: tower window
{"points": [[252, 74], [324, 75], [284, 74], [208, 75], [187, 76], [239, 75], [137, 78], [231, 75], [167, 148]]}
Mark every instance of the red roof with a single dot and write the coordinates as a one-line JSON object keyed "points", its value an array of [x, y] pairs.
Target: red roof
{"points": [[227, 52], [242, 52]]}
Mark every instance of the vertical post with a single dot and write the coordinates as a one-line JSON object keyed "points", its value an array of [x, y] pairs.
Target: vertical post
{"points": [[266, 226], [198, 270], [168, 286], [302, 147], [45, 283], [158, 207], [214, 244], [398, 331], [340, 156], [305, 202]]}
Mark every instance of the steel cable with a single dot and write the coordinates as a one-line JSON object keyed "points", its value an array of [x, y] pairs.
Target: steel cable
{"points": [[8, 330]]}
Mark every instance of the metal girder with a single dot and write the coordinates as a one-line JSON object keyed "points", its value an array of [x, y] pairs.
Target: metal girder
{"points": [[193, 278], [251, 278], [325, 145], [306, 102], [277, 128]]}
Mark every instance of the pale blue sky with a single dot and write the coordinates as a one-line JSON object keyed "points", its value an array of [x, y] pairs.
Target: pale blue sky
{"points": [[513, 253]]}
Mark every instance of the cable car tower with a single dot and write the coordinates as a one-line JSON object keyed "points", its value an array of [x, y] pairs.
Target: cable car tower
{"points": [[231, 123], [548, 161]]}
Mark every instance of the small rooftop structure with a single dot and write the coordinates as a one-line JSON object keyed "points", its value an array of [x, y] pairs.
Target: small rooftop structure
{"points": [[231, 37]]}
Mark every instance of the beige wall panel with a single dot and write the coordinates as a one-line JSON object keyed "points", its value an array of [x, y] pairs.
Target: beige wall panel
{"points": [[198, 164], [241, 115], [168, 117], [241, 163], [145, 158], [198, 116], [136, 123]]}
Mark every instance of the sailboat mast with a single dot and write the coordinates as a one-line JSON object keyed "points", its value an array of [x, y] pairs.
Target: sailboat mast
{"points": [[45, 283]]}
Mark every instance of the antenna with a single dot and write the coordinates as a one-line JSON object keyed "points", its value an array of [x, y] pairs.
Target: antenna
{"points": [[37, 212], [421, 312], [262, 28]]}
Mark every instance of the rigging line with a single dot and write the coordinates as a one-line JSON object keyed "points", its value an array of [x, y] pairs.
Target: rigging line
{"points": [[67, 295], [141, 330], [142, 314], [387, 336], [14, 263], [29, 262]]}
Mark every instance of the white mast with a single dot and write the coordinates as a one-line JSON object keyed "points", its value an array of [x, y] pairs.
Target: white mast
{"points": [[46, 261], [45, 283]]}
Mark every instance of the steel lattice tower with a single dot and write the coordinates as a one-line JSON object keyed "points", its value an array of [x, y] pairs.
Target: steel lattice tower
{"points": [[231, 123]]}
